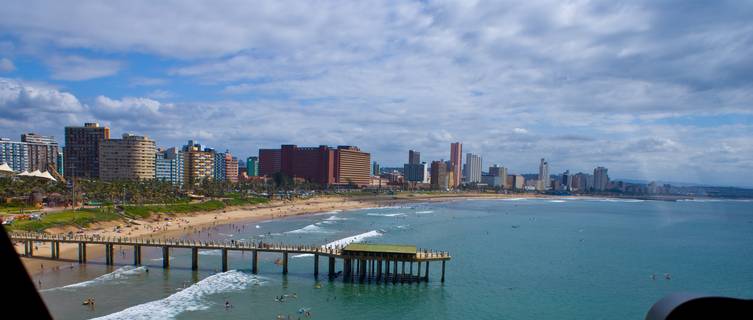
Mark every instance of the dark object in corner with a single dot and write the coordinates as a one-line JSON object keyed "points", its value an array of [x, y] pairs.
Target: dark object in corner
{"points": [[680, 306], [22, 295]]}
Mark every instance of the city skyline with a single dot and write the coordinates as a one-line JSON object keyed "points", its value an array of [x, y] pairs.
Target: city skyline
{"points": [[583, 84]]}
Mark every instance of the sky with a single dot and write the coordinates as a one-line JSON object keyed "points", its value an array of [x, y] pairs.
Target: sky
{"points": [[653, 90]]}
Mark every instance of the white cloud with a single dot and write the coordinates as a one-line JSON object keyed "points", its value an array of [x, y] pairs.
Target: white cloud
{"points": [[76, 68], [583, 83], [6, 65]]}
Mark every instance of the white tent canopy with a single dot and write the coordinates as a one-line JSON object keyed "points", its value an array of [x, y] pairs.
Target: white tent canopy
{"points": [[47, 176], [5, 168]]}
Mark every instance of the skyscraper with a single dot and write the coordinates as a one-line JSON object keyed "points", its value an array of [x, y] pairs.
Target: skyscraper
{"points": [[169, 166], [601, 179], [456, 159], [543, 183], [43, 151], [81, 150], [352, 166], [414, 157], [375, 169], [497, 171], [269, 161], [315, 164], [220, 165], [198, 164], [129, 158], [15, 154], [252, 166], [231, 167], [439, 178], [472, 168]]}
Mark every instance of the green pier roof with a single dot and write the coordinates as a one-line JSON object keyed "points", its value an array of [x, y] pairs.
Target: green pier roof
{"points": [[381, 248]]}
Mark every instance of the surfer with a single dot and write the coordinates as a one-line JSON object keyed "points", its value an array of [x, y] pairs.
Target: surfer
{"points": [[667, 276], [228, 305]]}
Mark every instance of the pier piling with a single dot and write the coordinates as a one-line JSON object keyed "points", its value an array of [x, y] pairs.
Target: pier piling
{"points": [[254, 262], [166, 257], [224, 260], [285, 262], [194, 258]]}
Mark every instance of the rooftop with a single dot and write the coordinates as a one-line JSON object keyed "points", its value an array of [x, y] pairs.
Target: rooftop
{"points": [[381, 248]]}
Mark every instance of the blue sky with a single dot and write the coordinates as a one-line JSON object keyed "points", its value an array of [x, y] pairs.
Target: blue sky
{"points": [[650, 89]]}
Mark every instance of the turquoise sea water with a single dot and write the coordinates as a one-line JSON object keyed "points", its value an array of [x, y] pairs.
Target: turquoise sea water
{"points": [[512, 259]]}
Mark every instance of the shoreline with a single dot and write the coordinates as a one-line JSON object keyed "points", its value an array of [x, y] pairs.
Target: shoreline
{"points": [[178, 225]]}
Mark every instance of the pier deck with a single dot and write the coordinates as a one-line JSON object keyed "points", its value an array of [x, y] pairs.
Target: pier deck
{"points": [[360, 262]]}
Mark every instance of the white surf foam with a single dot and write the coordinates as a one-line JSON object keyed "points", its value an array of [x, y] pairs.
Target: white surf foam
{"points": [[345, 241], [190, 299], [312, 228], [210, 252], [118, 274], [352, 239], [427, 211], [385, 214], [557, 201]]}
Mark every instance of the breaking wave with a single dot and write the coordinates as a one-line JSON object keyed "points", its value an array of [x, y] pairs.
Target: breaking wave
{"points": [[119, 274], [190, 299]]}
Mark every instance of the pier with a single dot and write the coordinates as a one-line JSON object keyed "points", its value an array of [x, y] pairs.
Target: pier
{"points": [[360, 262]]}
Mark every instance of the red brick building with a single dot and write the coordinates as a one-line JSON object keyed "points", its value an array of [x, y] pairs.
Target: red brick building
{"points": [[315, 164], [269, 161]]}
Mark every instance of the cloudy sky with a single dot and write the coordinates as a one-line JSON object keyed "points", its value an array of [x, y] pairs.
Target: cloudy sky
{"points": [[652, 90]]}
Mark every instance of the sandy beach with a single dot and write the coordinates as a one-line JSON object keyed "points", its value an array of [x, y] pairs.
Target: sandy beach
{"points": [[169, 226]]}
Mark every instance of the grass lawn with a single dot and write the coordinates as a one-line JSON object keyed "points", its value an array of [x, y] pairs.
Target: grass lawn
{"points": [[80, 218]]}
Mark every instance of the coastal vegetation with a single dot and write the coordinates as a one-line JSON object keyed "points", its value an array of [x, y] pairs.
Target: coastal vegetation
{"points": [[84, 217]]}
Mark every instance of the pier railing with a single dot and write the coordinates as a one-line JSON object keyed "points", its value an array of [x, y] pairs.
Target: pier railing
{"points": [[360, 263]]}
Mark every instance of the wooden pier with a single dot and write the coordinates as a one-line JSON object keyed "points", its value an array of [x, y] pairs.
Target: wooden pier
{"points": [[379, 263]]}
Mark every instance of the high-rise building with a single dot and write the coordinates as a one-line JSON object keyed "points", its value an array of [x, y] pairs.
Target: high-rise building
{"points": [[129, 158], [15, 154], [43, 151], [269, 161], [352, 166], [601, 179], [346, 165], [439, 177], [497, 171], [198, 164], [543, 183], [220, 166], [252, 166], [583, 182], [168, 166], [81, 150], [456, 159], [375, 169], [417, 172], [472, 168], [516, 182], [566, 180], [59, 163], [315, 164], [414, 157], [231, 167]]}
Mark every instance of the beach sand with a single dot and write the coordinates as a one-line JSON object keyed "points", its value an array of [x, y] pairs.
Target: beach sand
{"points": [[158, 226]]}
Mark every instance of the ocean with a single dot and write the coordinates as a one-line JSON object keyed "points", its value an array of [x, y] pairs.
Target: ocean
{"points": [[566, 258]]}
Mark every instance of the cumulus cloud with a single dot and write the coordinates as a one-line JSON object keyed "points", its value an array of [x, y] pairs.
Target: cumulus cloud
{"points": [[583, 83]]}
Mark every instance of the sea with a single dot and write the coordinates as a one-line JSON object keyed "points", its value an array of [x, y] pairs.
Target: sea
{"points": [[555, 258]]}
